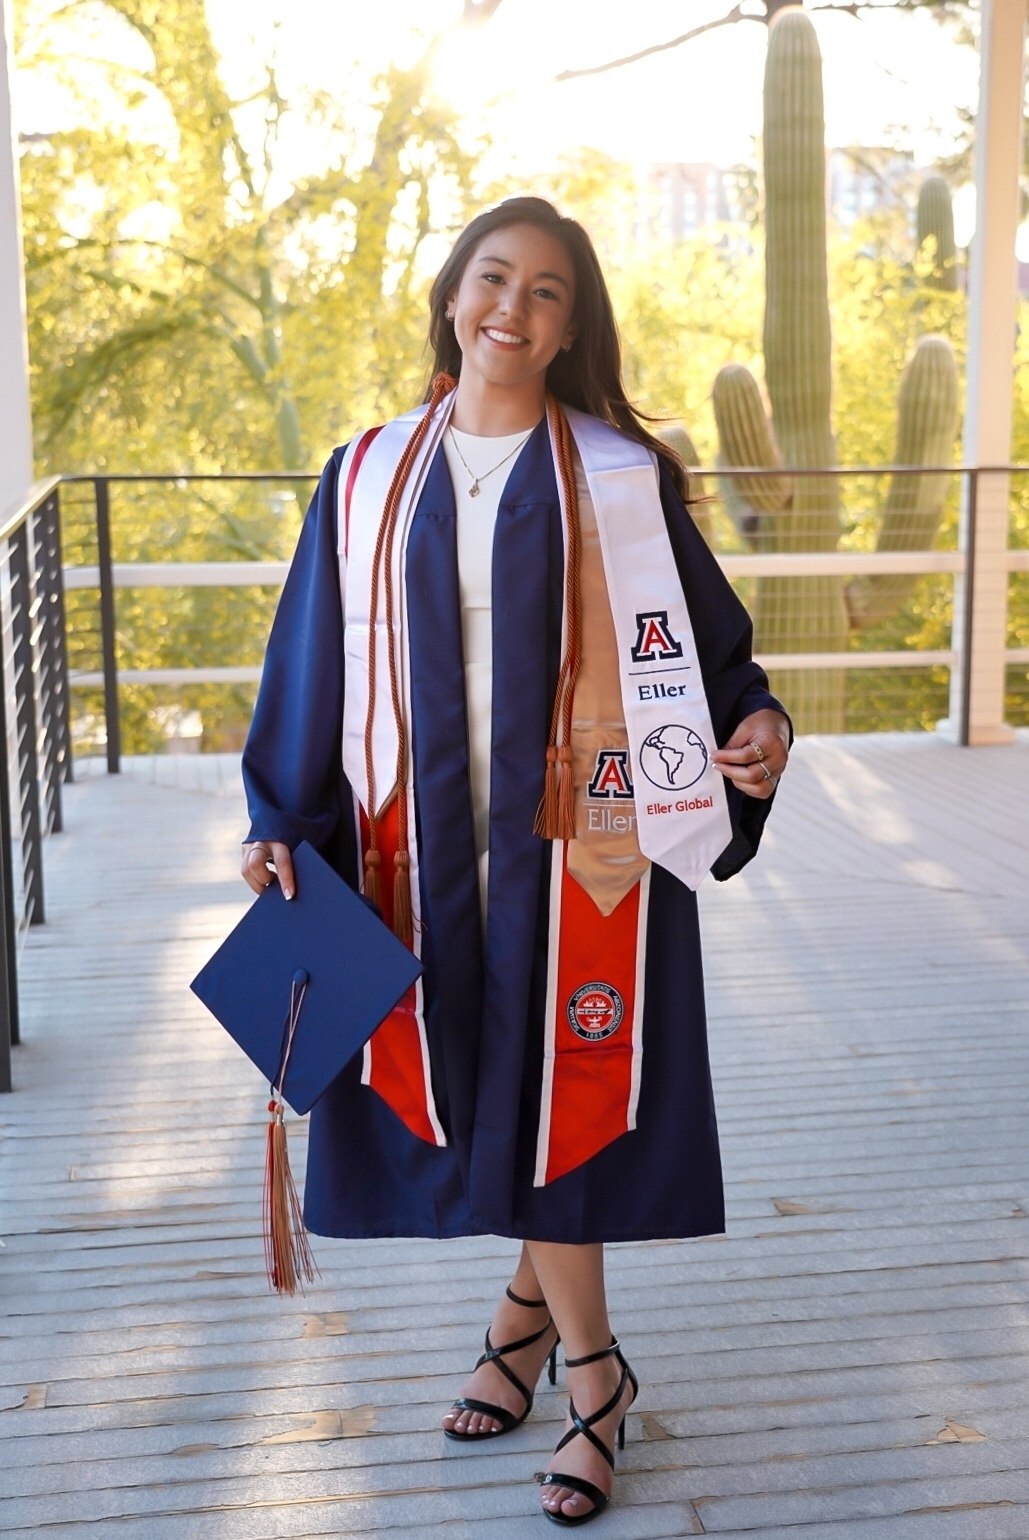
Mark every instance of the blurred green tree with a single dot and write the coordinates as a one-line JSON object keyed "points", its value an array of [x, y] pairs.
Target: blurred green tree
{"points": [[217, 312], [191, 309], [193, 315]]}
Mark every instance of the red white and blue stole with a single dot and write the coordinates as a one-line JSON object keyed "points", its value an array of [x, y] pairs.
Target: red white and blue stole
{"points": [[396, 1057], [645, 789]]}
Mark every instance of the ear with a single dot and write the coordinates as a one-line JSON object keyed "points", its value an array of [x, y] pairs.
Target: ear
{"points": [[569, 338]]}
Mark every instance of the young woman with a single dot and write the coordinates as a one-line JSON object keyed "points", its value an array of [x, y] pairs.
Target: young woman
{"points": [[494, 695]]}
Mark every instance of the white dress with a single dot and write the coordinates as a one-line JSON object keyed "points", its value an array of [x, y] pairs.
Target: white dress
{"points": [[476, 518]]}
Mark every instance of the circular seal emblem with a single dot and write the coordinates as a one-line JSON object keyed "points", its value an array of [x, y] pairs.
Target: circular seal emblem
{"points": [[673, 757], [595, 1011]]}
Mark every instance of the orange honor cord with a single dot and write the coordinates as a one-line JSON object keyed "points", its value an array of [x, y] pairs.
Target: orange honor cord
{"points": [[382, 561], [555, 817], [287, 1251]]}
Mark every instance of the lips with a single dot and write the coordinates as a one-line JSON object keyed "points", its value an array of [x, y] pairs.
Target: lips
{"points": [[506, 339]]}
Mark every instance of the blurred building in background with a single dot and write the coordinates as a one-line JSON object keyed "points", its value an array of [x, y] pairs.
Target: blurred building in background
{"points": [[678, 199]]}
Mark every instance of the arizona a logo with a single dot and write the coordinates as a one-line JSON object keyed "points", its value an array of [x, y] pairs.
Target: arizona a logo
{"points": [[611, 778], [654, 641]]}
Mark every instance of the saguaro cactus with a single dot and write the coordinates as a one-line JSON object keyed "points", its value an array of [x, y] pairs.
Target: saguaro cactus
{"points": [[926, 420], [935, 223], [676, 435], [802, 513]]}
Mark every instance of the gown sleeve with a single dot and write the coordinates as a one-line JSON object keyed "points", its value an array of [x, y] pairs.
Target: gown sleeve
{"points": [[292, 758], [735, 685]]}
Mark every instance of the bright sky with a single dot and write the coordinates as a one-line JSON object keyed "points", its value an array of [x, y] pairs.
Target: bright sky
{"points": [[701, 101], [893, 78]]}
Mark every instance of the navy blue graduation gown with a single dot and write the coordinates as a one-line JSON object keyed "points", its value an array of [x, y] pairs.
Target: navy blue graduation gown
{"points": [[367, 1174]]}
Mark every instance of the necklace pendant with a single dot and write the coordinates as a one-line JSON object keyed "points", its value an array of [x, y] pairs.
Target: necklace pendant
{"points": [[473, 490]]}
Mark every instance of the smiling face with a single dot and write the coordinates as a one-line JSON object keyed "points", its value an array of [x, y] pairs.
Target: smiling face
{"points": [[512, 312]]}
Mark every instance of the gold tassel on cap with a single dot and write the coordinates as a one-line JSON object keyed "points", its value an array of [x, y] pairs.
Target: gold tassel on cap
{"points": [[287, 1251]]}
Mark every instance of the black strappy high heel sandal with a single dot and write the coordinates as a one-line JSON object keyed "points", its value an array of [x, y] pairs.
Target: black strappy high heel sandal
{"points": [[495, 1355], [583, 1426]]}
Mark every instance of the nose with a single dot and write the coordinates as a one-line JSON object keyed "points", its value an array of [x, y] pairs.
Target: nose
{"points": [[513, 299]]}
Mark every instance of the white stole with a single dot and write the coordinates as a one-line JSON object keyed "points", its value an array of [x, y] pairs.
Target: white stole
{"points": [[682, 816], [681, 809]]}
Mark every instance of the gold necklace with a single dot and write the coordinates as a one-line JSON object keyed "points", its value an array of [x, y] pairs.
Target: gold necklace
{"points": [[473, 490]]}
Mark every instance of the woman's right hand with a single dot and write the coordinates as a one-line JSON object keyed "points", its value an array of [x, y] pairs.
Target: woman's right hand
{"points": [[255, 870]]}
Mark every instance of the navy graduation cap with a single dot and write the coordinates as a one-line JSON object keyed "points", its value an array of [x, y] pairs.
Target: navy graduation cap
{"points": [[325, 953], [302, 986]]}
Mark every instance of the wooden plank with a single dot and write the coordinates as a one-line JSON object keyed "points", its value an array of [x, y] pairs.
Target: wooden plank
{"points": [[848, 1363]]}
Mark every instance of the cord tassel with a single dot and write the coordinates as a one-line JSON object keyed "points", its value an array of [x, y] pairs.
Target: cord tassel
{"points": [[403, 924], [372, 883], [566, 795], [546, 814]]}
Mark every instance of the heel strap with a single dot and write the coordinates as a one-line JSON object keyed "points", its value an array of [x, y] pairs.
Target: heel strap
{"points": [[593, 1358], [528, 1304], [582, 1427], [495, 1356]]}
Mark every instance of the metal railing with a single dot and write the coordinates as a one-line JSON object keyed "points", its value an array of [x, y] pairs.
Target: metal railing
{"points": [[106, 576], [746, 558], [34, 634], [34, 729]]}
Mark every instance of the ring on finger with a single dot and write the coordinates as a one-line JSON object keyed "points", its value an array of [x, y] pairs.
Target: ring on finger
{"points": [[759, 752], [768, 774]]}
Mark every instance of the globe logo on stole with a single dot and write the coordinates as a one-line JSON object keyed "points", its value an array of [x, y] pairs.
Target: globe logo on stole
{"points": [[673, 757]]}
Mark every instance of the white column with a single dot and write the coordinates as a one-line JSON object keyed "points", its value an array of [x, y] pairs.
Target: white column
{"points": [[15, 416], [991, 334]]}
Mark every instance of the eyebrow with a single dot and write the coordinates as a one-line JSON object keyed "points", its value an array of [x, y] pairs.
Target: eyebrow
{"points": [[503, 262]]}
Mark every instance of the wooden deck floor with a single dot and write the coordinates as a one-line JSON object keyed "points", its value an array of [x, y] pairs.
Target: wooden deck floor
{"points": [[849, 1363]]}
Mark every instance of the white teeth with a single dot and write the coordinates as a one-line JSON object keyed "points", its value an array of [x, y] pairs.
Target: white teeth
{"points": [[497, 336]]}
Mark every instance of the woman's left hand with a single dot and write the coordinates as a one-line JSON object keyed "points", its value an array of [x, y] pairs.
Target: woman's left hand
{"points": [[755, 756]]}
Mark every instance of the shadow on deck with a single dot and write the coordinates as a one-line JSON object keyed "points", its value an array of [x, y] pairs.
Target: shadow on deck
{"points": [[848, 1364]]}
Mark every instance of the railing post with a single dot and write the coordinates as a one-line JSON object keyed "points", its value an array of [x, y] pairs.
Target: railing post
{"points": [[962, 727], [9, 1033], [107, 624], [979, 626], [26, 726], [992, 320], [60, 613], [53, 663]]}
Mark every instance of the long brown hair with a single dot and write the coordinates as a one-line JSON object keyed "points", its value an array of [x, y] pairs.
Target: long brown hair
{"points": [[589, 376]]}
